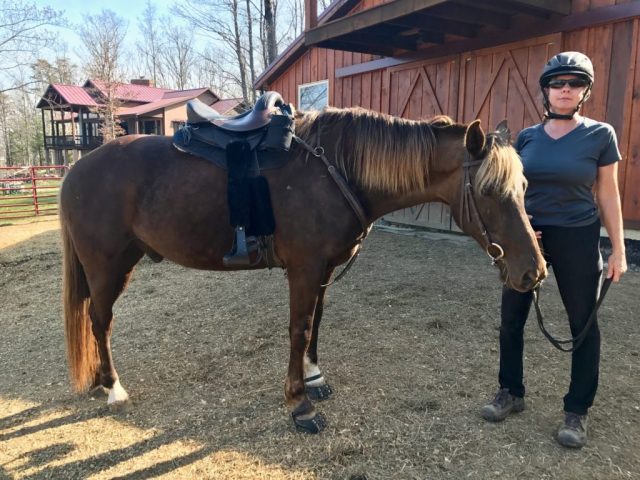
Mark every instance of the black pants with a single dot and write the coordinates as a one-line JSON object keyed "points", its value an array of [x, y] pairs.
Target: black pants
{"points": [[574, 254]]}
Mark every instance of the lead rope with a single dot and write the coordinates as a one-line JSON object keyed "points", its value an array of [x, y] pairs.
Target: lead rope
{"points": [[318, 152], [578, 339]]}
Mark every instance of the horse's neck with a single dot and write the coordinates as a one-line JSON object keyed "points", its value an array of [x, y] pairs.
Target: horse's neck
{"points": [[443, 187]]}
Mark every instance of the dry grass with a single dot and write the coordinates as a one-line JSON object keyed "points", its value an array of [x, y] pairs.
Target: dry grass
{"points": [[409, 343]]}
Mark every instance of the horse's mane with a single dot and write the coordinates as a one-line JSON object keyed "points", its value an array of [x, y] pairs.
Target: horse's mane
{"points": [[502, 174], [378, 151], [390, 154]]}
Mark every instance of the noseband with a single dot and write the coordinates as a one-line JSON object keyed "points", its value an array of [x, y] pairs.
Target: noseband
{"points": [[468, 207]]}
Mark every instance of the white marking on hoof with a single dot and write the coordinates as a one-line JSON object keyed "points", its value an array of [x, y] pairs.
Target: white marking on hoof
{"points": [[311, 370], [117, 394]]}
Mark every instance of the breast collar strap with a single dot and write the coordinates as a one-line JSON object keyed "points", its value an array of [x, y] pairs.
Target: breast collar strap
{"points": [[348, 194], [469, 210]]}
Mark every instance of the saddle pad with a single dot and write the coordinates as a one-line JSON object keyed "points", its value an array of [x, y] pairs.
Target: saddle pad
{"points": [[206, 142]]}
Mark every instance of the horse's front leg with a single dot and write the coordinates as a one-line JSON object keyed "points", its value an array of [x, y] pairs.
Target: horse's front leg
{"points": [[304, 288], [315, 384]]}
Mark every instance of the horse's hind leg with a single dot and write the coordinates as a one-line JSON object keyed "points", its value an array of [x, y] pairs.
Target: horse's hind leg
{"points": [[304, 287], [315, 384], [106, 283]]}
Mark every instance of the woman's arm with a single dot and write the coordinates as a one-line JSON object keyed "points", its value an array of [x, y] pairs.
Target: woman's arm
{"points": [[608, 197]]}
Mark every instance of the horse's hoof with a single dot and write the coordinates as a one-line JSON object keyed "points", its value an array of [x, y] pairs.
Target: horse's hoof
{"points": [[117, 394], [307, 419], [311, 425], [319, 392]]}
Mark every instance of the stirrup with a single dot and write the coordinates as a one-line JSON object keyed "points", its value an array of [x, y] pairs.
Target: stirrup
{"points": [[239, 254]]}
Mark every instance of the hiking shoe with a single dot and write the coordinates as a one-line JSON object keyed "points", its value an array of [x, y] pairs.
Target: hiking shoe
{"points": [[573, 433], [502, 405]]}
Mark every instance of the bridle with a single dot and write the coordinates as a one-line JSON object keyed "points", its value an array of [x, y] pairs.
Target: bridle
{"points": [[469, 208]]}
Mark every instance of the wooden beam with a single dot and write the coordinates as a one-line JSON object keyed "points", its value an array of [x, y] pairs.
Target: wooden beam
{"points": [[557, 7], [358, 47], [310, 14], [367, 18], [427, 23], [590, 18], [470, 15], [535, 8], [376, 40], [432, 37]]}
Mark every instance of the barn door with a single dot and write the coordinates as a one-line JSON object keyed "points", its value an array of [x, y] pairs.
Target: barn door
{"points": [[419, 91], [502, 83]]}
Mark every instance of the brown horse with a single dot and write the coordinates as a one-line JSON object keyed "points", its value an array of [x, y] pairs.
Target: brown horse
{"points": [[138, 195]]}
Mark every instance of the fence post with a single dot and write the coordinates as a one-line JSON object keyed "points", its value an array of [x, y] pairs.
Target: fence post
{"points": [[34, 190]]}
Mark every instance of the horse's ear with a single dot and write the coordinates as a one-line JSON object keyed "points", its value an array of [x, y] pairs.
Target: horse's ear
{"points": [[475, 139], [503, 132]]}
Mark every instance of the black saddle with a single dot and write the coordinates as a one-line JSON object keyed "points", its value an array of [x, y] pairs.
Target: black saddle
{"points": [[268, 127]]}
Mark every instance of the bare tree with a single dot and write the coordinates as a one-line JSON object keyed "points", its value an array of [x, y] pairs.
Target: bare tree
{"points": [[252, 68], [270, 27], [297, 17], [6, 115], [62, 70], [178, 55], [103, 35], [22, 36], [208, 16], [152, 45], [213, 71]]}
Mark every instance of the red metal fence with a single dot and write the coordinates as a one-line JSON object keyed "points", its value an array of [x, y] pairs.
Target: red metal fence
{"points": [[29, 191]]}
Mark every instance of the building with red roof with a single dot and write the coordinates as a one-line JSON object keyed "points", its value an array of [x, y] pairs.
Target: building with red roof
{"points": [[72, 115]]}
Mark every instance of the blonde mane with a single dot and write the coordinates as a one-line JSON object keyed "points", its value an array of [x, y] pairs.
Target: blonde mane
{"points": [[390, 154], [378, 151], [501, 173]]}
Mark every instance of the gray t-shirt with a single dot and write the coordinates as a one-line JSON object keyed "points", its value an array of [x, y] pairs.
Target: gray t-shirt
{"points": [[561, 172]]}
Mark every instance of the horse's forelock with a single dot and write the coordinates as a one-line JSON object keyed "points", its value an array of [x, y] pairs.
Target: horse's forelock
{"points": [[377, 151], [501, 173]]}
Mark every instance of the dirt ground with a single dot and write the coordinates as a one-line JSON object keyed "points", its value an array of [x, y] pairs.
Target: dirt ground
{"points": [[409, 343]]}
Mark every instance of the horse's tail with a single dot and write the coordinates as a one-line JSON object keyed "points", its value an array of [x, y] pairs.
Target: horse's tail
{"points": [[82, 351]]}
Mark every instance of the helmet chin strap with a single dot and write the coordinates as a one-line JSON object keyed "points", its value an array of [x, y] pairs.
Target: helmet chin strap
{"points": [[548, 114]]}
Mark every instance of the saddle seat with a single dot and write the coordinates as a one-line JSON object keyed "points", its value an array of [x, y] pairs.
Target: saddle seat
{"points": [[258, 117]]}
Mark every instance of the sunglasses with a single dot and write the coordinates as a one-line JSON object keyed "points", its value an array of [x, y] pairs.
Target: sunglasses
{"points": [[573, 83]]}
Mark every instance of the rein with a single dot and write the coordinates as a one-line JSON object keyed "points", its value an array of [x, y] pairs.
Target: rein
{"points": [[351, 198], [578, 339], [468, 207]]}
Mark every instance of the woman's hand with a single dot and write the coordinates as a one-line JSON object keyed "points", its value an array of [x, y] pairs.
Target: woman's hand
{"points": [[617, 266], [537, 232], [608, 197]]}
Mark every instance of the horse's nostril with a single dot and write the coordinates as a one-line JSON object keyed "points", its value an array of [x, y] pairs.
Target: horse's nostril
{"points": [[530, 280]]}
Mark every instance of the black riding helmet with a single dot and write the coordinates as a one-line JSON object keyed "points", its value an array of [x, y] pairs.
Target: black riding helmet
{"points": [[566, 63]]}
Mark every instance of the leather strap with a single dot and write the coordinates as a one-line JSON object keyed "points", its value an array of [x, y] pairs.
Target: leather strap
{"points": [[351, 199], [342, 185], [578, 339]]}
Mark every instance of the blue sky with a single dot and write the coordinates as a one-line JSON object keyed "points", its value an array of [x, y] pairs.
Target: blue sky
{"points": [[74, 11], [128, 9]]}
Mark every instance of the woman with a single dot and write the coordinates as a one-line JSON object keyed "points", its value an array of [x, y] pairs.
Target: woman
{"points": [[563, 157]]}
